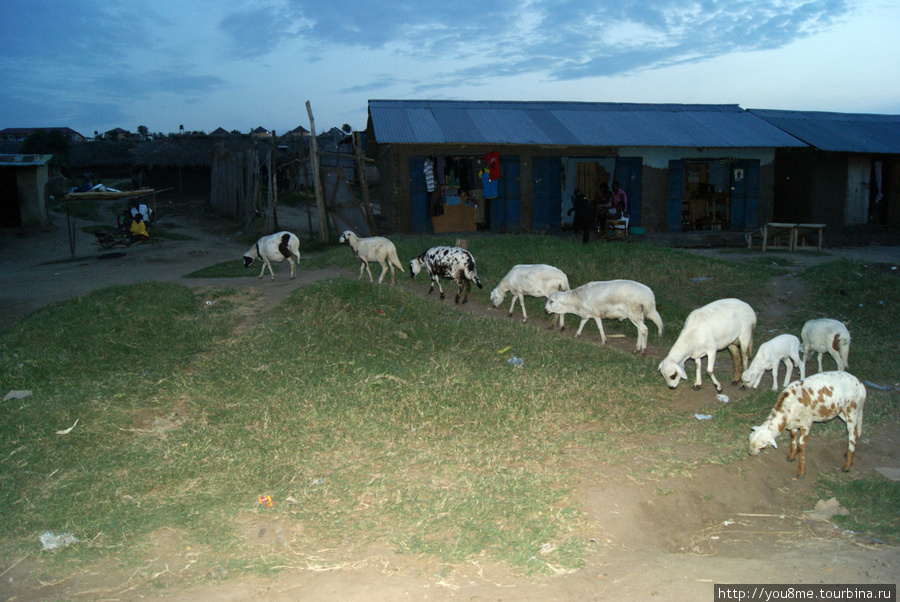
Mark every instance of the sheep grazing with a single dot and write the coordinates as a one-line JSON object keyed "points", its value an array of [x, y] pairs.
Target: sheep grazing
{"points": [[453, 263], [533, 280], [818, 398], [783, 348], [616, 299], [274, 248], [375, 248], [717, 325], [826, 336]]}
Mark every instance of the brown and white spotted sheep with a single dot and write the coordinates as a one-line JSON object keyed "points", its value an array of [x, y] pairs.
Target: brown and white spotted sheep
{"points": [[817, 398], [453, 263], [274, 248]]}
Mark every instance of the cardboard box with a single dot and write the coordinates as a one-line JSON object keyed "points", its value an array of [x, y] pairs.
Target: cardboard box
{"points": [[456, 218]]}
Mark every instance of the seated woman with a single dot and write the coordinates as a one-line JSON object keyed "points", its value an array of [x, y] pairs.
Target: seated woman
{"points": [[139, 228]]}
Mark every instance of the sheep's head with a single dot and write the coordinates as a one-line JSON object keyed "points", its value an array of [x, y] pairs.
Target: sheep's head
{"points": [[552, 304], [497, 297], [672, 372], [415, 266], [251, 254], [346, 237], [760, 439], [247, 261]]}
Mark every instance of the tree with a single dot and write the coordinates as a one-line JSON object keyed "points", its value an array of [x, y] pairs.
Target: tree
{"points": [[143, 130], [42, 142]]}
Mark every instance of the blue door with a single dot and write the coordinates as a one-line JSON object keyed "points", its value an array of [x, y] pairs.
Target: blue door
{"points": [[676, 196], [744, 195], [547, 192], [505, 209], [418, 197], [629, 171]]}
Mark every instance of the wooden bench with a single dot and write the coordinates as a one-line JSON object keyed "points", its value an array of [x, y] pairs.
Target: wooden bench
{"points": [[786, 236]]}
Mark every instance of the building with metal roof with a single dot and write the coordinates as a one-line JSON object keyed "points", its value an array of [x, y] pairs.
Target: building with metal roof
{"points": [[847, 176], [682, 166]]}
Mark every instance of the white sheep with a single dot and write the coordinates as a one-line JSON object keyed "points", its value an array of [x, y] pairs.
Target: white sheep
{"points": [[539, 280], [274, 248], [373, 248], [616, 299], [783, 348], [454, 263], [826, 336], [819, 398], [717, 325]]}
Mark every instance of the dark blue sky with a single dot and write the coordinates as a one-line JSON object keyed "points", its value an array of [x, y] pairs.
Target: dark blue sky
{"points": [[96, 65]]}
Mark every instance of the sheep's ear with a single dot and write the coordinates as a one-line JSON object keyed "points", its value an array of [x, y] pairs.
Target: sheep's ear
{"points": [[754, 429], [681, 372], [772, 443]]}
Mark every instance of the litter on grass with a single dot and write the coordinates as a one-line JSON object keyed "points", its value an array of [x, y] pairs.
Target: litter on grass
{"points": [[68, 430], [16, 395], [703, 416], [722, 397], [515, 361], [51, 541]]}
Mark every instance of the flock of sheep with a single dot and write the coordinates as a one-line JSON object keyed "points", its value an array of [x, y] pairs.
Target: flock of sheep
{"points": [[723, 324]]}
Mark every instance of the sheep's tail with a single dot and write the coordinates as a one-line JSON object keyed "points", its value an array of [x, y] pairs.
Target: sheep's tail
{"points": [[656, 319], [471, 273], [394, 259]]}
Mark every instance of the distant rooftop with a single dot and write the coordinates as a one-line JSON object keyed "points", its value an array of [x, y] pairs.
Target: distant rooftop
{"points": [[839, 132]]}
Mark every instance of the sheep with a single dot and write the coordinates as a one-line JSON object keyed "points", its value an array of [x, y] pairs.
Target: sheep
{"points": [[818, 398], [618, 299], [826, 336], [783, 348], [374, 248], [275, 247], [539, 280], [717, 325], [454, 263]]}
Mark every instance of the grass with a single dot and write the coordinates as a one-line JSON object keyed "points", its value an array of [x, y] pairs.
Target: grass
{"points": [[383, 415]]}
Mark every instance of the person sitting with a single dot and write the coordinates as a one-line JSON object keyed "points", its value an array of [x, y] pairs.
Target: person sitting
{"points": [[139, 228]]}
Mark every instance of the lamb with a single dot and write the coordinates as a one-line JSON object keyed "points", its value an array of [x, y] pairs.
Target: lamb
{"points": [[275, 247], [783, 348], [374, 248], [717, 325], [826, 336], [453, 263], [818, 398], [618, 299], [539, 280]]}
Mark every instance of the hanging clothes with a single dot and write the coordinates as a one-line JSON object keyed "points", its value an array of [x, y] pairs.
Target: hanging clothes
{"points": [[429, 174], [489, 187], [493, 160]]}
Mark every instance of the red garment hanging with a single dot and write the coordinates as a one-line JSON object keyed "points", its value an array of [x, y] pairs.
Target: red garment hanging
{"points": [[493, 160]]}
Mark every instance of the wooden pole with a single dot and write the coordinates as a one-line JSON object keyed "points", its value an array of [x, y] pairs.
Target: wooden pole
{"points": [[273, 179], [314, 165], [361, 169]]}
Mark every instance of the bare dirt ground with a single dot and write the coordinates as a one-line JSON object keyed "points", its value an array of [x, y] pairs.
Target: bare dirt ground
{"points": [[664, 538]]}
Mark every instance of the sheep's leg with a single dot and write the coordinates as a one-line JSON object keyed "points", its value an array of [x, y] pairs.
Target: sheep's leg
{"points": [[801, 451], [600, 326], [710, 367], [854, 430], [362, 267], [562, 322], [383, 271], [269, 263], [583, 322], [736, 360], [820, 360], [643, 336], [512, 305], [792, 451], [522, 305], [837, 358], [293, 267], [698, 363], [789, 366], [775, 376], [369, 272]]}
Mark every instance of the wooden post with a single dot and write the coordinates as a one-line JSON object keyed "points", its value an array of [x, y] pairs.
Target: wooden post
{"points": [[361, 169], [314, 165], [273, 183]]}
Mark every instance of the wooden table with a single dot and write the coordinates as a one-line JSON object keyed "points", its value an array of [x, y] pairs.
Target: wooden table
{"points": [[785, 236]]}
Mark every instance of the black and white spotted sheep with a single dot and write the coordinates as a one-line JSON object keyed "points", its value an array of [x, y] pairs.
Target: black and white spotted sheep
{"points": [[275, 247], [453, 263]]}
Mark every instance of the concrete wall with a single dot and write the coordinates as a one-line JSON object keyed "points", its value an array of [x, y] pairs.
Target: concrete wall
{"points": [[32, 184]]}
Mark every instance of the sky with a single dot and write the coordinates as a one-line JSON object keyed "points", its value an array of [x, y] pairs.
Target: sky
{"points": [[94, 65]]}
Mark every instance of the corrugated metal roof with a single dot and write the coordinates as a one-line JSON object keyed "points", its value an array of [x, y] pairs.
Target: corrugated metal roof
{"points": [[571, 124], [24, 160], [839, 132]]}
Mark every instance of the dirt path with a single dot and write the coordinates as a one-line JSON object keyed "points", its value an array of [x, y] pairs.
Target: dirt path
{"points": [[668, 538]]}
